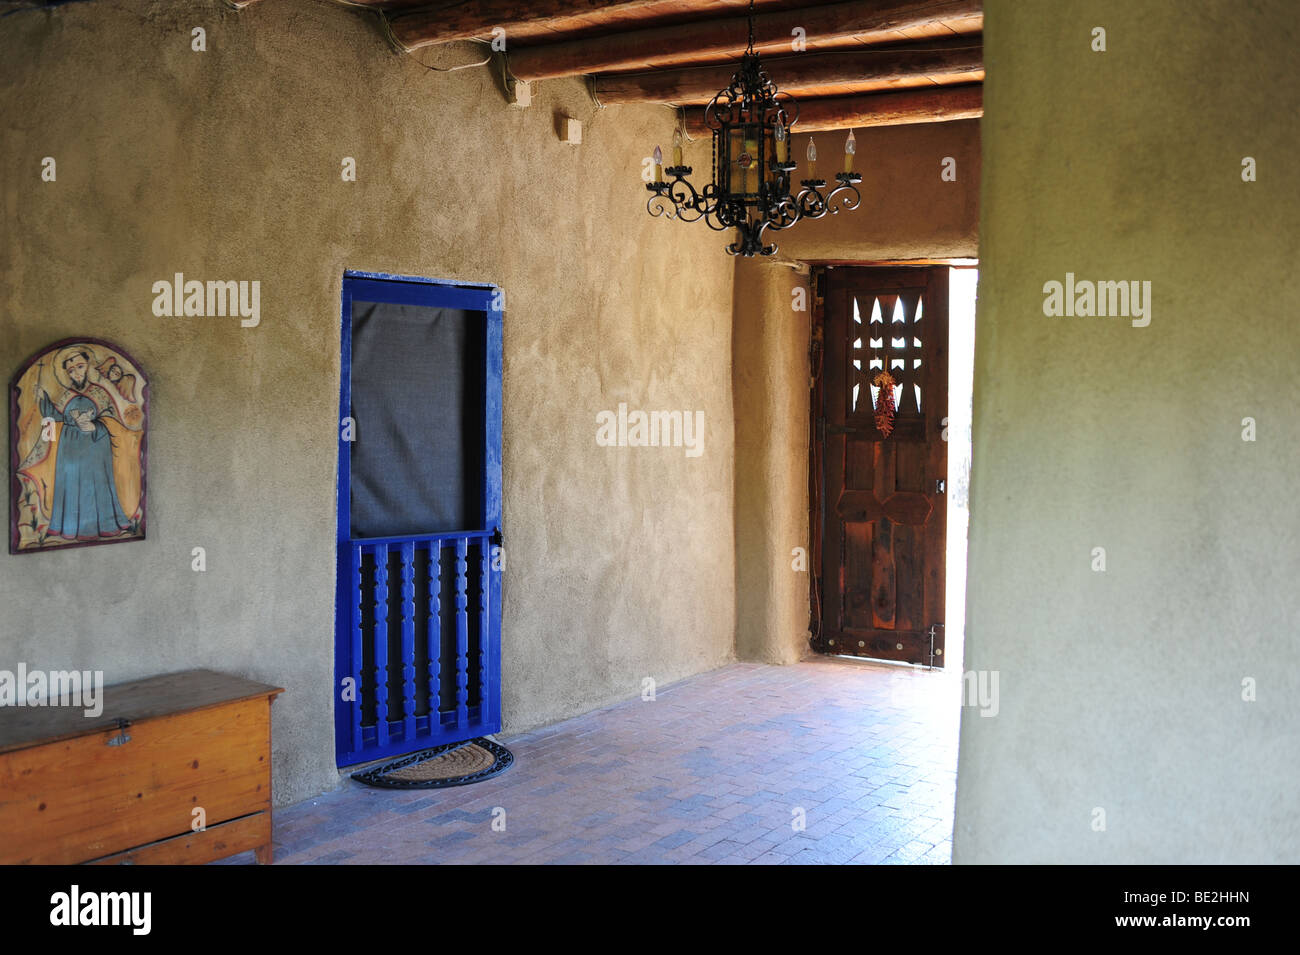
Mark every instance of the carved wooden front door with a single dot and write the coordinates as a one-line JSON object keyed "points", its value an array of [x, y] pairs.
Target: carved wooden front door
{"points": [[881, 502]]}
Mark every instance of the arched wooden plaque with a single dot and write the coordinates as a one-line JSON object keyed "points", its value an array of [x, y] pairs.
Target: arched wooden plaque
{"points": [[79, 416]]}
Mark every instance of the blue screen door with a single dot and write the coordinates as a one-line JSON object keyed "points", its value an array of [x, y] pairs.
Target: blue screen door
{"points": [[418, 605]]}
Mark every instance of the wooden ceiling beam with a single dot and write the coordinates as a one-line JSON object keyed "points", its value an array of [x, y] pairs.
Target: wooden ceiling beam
{"points": [[939, 104], [444, 21], [930, 58], [727, 36]]}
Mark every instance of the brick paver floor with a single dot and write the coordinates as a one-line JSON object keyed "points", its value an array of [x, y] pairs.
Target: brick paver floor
{"points": [[827, 761]]}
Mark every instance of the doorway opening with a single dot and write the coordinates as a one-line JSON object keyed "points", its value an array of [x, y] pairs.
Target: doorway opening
{"points": [[418, 594], [889, 468]]}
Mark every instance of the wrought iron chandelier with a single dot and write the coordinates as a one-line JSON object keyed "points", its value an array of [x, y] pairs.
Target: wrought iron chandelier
{"points": [[750, 192]]}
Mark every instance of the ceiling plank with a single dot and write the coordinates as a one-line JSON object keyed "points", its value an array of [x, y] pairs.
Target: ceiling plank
{"points": [[727, 37], [807, 70], [938, 105], [444, 21]]}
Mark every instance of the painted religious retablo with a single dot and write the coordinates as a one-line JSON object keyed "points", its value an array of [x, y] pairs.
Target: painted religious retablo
{"points": [[78, 416]]}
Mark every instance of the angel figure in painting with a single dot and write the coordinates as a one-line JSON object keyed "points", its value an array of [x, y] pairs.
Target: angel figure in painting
{"points": [[81, 470], [117, 381]]}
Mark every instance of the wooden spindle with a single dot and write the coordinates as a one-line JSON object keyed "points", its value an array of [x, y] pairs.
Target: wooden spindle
{"points": [[434, 636], [380, 642], [485, 547], [357, 675], [462, 632], [408, 640]]}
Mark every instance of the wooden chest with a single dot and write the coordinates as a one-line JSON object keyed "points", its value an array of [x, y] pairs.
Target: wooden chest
{"points": [[124, 787]]}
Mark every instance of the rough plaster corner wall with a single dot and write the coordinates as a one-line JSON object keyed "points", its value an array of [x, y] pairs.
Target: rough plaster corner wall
{"points": [[770, 352], [226, 165], [1121, 692], [908, 211]]}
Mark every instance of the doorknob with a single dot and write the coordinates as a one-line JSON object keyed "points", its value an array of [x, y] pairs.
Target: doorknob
{"points": [[939, 486]]}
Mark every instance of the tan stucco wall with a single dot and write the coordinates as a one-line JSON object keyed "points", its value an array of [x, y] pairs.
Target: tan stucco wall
{"points": [[1122, 691], [907, 211], [771, 387], [226, 165]]}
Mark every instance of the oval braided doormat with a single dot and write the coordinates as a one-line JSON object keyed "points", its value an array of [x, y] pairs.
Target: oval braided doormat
{"points": [[453, 764]]}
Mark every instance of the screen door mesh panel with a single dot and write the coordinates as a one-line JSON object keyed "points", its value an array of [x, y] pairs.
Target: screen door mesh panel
{"points": [[417, 457]]}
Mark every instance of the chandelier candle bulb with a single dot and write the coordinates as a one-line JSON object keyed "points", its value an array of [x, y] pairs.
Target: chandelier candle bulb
{"points": [[850, 149], [782, 144], [659, 164], [812, 158], [677, 149]]}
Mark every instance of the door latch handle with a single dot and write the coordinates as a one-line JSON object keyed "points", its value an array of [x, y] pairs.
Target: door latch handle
{"points": [[939, 485], [121, 738]]}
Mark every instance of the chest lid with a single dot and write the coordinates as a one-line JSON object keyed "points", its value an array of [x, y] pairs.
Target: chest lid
{"points": [[134, 702]]}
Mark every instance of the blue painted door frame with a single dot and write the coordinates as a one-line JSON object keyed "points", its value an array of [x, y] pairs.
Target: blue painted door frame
{"points": [[449, 719]]}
